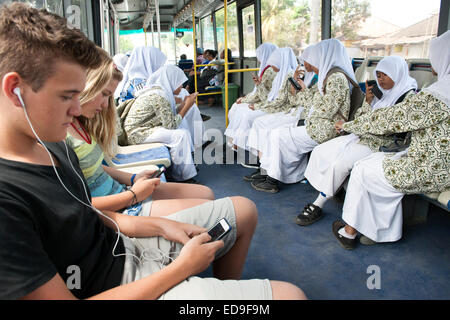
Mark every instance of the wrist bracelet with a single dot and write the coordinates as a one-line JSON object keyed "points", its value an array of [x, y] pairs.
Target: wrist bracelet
{"points": [[134, 200], [132, 178]]}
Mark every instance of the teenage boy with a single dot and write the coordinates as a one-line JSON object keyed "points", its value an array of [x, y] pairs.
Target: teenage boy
{"points": [[54, 246]]}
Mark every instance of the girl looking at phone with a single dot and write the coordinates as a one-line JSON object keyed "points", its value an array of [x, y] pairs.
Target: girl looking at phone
{"points": [[93, 133]]}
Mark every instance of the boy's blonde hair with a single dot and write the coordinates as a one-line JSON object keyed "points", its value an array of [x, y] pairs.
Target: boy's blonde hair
{"points": [[102, 127]]}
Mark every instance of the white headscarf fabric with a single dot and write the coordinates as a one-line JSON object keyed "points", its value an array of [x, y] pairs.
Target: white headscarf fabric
{"points": [[305, 55], [396, 68], [440, 61], [328, 54], [285, 60], [263, 53], [169, 78], [143, 62], [120, 61]]}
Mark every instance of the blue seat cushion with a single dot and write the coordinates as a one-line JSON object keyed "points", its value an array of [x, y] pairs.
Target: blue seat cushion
{"points": [[213, 89], [141, 156]]}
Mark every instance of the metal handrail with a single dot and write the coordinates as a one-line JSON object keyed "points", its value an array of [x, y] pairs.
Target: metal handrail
{"points": [[226, 64]]}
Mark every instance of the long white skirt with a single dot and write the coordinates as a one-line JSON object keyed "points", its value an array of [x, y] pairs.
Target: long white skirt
{"points": [[180, 144], [331, 162], [192, 122], [372, 205], [259, 133], [285, 158], [241, 119]]}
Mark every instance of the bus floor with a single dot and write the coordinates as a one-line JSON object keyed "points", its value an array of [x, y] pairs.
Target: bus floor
{"points": [[415, 267]]}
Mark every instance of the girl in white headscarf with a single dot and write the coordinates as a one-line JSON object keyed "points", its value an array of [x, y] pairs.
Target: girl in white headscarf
{"points": [[331, 162], [192, 120], [143, 62], [151, 119], [261, 127], [284, 157], [240, 111], [373, 202], [284, 63], [120, 60]]}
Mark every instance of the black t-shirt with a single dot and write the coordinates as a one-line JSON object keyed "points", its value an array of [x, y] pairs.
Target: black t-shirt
{"points": [[44, 231]]}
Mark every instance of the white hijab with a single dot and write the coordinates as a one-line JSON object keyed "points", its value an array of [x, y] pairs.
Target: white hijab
{"points": [[440, 61], [285, 60], [169, 78], [120, 60], [328, 54], [143, 62], [306, 55], [396, 68], [263, 53]]}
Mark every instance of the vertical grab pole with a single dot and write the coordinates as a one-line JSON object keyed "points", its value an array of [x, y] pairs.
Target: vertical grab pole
{"points": [[225, 53], [195, 50], [153, 38], [145, 34], [158, 23]]}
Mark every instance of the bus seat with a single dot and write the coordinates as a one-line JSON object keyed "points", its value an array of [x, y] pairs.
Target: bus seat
{"points": [[365, 70], [356, 63], [420, 69], [140, 155], [185, 64]]}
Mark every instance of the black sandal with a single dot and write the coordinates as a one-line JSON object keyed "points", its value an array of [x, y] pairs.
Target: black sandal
{"points": [[310, 214]]}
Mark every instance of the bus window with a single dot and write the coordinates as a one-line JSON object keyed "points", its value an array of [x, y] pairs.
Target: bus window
{"points": [[304, 19], [248, 28], [233, 33], [207, 31], [385, 27]]}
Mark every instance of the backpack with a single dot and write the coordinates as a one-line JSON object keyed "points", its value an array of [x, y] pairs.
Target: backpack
{"points": [[356, 97]]}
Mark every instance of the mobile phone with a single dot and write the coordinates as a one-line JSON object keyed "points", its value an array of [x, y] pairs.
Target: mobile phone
{"points": [[158, 173], [219, 230], [295, 84], [375, 90]]}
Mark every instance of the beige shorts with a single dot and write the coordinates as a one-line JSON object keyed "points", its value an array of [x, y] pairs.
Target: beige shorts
{"points": [[157, 252]]}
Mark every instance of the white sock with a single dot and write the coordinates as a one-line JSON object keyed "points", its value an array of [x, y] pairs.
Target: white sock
{"points": [[344, 233], [321, 200]]}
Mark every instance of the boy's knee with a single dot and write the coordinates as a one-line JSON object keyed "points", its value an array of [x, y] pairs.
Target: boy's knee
{"points": [[286, 291], [207, 193], [245, 206]]}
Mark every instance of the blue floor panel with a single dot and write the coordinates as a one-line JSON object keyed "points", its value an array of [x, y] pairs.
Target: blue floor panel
{"points": [[416, 267]]}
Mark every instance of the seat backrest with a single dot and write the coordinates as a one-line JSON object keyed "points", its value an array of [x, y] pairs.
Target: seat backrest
{"points": [[356, 63], [365, 70], [420, 69]]}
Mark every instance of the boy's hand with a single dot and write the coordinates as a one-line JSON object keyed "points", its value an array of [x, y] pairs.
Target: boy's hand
{"points": [[197, 254]]}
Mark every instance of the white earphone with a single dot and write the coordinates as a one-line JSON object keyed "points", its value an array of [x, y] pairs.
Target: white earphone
{"points": [[89, 204], [17, 93]]}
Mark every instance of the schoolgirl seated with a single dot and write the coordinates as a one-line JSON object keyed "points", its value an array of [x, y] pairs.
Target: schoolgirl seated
{"points": [[151, 118], [331, 162], [241, 117], [285, 152], [141, 64], [94, 131], [373, 200], [262, 125]]}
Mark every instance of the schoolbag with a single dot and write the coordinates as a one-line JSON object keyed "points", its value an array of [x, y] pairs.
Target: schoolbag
{"points": [[356, 97]]}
